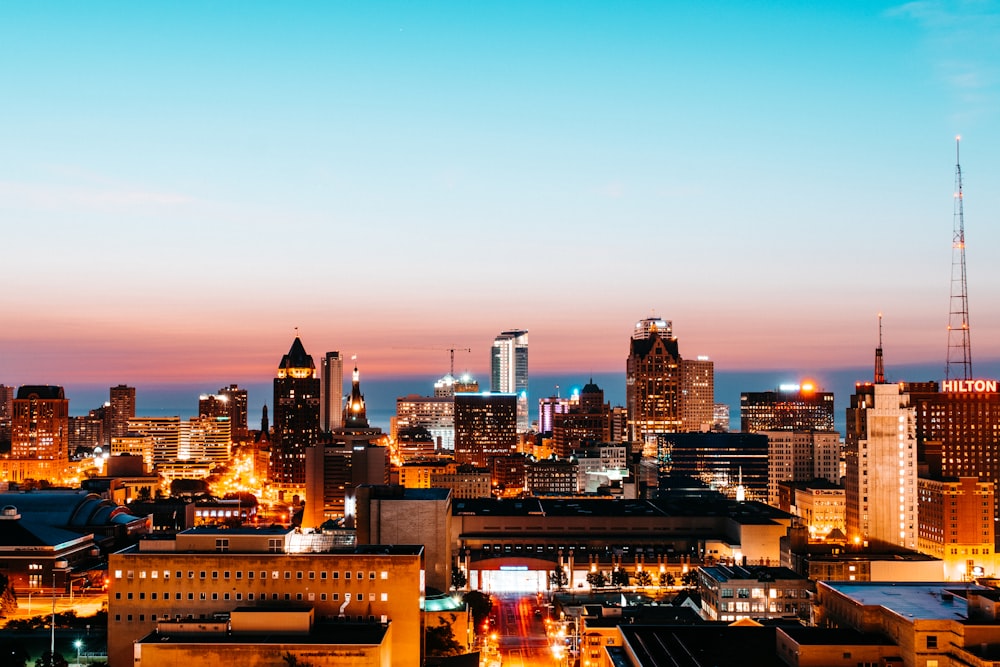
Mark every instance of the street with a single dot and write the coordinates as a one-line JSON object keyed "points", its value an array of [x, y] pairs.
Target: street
{"points": [[520, 632]]}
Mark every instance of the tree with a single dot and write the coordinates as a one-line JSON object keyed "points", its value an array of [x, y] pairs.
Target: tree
{"points": [[458, 578], [439, 640], [690, 578], [293, 661], [558, 578], [666, 579], [479, 604], [48, 660], [143, 494], [597, 579], [619, 577], [13, 653], [8, 598], [643, 578]]}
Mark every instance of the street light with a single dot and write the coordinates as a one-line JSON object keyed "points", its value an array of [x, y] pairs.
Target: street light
{"points": [[78, 644]]}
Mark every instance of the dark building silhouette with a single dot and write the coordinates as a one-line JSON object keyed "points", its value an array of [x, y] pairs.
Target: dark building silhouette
{"points": [[296, 416], [723, 461]]}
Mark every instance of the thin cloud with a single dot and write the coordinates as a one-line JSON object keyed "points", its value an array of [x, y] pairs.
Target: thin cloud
{"points": [[54, 197]]}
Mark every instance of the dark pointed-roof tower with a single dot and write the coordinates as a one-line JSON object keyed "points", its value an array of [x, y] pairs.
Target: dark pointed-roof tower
{"points": [[296, 415]]}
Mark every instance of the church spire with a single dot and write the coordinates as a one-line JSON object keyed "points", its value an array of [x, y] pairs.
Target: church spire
{"points": [[354, 412]]}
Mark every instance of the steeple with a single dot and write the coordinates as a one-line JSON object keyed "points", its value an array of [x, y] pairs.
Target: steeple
{"points": [[354, 412], [879, 366]]}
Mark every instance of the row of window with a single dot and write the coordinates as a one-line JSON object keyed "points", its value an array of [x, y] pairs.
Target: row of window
{"points": [[359, 597], [202, 617], [250, 574]]}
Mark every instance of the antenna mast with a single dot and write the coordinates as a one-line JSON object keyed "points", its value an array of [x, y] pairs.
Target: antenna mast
{"points": [[959, 364], [879, 365]]}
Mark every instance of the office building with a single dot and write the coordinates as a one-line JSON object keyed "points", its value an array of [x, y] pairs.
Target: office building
{"points": [[40, 424], [801, 456], [296, 416], [720, 417], [550, 406], [213, 405], [333, 472], [434, 413], [697, 401], [652, 382], [509, 371], [789, 408], [958, 428], [121, 408], [485, 427], [881, 457], [755, 592], [331, 411], [85, 433], [586, 422], [238, 411], [734, 464], [213, 570], [957, 526], [6, 412], [551, 477]]}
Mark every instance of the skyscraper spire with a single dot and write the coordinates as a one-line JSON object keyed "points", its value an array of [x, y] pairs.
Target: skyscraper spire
{"points": [[959, 363], [879, 366]]}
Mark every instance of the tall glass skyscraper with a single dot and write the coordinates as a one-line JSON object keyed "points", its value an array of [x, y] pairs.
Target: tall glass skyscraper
{"points": [[509, 371]]}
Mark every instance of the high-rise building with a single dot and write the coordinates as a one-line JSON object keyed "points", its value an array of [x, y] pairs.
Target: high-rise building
{"points": [[85, 433], [485, 427], [40, 424], [726, 462], [509, 371], [550, 406], [213, 405], [588, 422], [296, 415], [331, 407], [121, 408], [958, 427], [957, 525], [238, 411], [790, 408], [881, 457], [801, 456], [434, 413], [653, 381], [697, 400], [6, 413]]}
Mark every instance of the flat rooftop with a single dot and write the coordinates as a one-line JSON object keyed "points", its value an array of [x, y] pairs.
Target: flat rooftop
{"points": [[342, 634], [914, 600]]}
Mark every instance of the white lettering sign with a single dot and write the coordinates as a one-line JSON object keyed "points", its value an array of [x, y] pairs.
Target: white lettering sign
{"points": [[969, 386]]}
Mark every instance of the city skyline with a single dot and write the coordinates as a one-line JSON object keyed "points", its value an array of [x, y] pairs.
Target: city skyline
{"points": [[767, 178]]}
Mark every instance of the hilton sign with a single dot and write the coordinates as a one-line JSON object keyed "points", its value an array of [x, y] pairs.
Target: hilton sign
{"points": [[969, 386]]}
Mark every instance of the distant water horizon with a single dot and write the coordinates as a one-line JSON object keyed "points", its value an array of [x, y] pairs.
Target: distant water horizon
{"points": [[381, 392]]}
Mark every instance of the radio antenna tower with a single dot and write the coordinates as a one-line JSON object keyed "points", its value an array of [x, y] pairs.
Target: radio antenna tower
{"points": [[959, 364], [879, 364]]}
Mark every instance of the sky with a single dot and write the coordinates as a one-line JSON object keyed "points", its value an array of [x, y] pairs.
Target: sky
{"points": [[186, 185]]}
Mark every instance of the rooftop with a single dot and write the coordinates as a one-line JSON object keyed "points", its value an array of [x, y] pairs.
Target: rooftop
{"points": [[914, 600]]}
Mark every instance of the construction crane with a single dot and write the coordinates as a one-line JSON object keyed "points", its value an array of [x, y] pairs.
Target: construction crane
{"points": [[450, 350]]}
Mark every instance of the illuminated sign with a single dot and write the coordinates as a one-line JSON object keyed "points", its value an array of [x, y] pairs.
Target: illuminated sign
{"points": [[513, 568], [969, 386]]}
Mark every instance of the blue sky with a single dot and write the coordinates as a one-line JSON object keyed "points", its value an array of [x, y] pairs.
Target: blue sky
{"points": [[184, 183]]}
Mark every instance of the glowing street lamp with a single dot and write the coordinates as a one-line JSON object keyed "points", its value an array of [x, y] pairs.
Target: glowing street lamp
{"points": [[78, 644]]}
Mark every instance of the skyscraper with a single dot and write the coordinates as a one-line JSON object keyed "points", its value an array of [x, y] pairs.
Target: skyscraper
{"points": [[121, 409], [790, 408], [485, 427], [653, 382], [40, 424], [509, 371], [697, 394], [881, 455], [331, 410], [238, 411], [296, 415]]}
